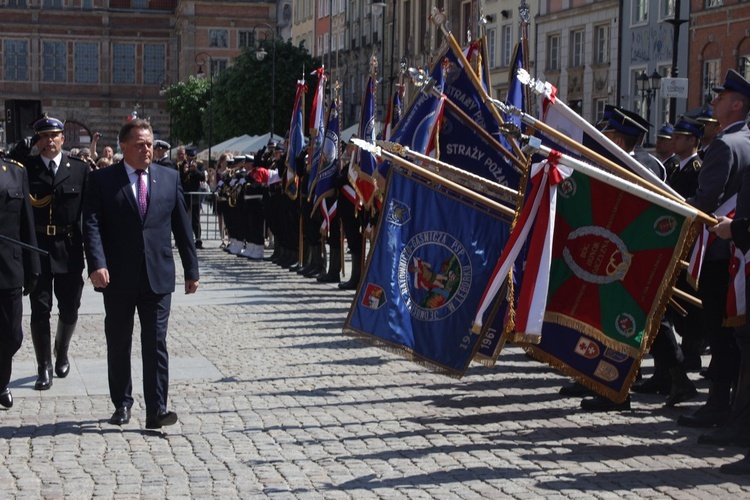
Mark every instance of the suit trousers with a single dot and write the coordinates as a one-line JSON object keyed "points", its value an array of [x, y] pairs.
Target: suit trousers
{"points": [[67, 288], [11, 336], [153, 312]]}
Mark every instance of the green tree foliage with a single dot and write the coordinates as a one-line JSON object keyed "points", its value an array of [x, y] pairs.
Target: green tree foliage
{"points": [[187, 102], [241, 96]]}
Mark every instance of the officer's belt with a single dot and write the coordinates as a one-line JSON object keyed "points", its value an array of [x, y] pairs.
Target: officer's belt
{"points": [[253, 197], [275, 187], [54, 230]]}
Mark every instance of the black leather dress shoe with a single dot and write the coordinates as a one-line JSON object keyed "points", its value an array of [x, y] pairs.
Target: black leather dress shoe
{"points": [[705, 416], [121, 416], [726, 436], [653, 385], [161, 419], [575, 390], [741, 467], [44, 379], [600, 403], [6, 398]]}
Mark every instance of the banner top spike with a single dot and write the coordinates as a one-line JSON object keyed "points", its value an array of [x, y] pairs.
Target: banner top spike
{"points": [[438, 17]]}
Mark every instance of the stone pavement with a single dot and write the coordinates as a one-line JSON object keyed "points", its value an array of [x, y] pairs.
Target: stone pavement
{"points": [[274, 401]]}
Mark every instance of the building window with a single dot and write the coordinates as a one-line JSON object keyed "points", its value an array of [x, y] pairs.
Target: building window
{"points": [[217, 38], [744, 66], [714, 3], [54, 62], [52, 4], [123, 63], [87, 62], [667, 8], [602, 44], [599, 105], [153, 64], [576, 48], [711, 77], [217, 66], [246, 40], [639, 102], [507, 45], [640, 11], [16, 3], [16, 60], [87, 4], [553, 52], [491, 46], [140, 4]]}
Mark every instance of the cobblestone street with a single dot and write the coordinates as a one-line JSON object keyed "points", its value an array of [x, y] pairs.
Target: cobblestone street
{"points": [[274, 401]]}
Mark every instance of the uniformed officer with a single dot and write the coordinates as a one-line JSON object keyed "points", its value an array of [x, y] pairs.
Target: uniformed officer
{"points": [[255, 186], [711, 128], [631, 129], [192, 176], [664, 149], [349, 209], [726, 163], [19, 268], [57, 183], [161, 154]]}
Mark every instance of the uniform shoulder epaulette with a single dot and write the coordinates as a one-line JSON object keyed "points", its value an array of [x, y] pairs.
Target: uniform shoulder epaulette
{"points": [[696, 165], [11, 160], [77, 158]]}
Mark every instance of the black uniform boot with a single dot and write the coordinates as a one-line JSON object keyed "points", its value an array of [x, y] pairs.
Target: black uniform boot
{"points": [[334, 268], [682, 388], [317, 264], [40, 335], [62, 342], [355, 275]]}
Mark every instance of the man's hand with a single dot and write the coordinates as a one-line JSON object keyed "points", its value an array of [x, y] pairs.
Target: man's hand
{"points": [[723, 229], [29, 283], [191, 286], [100, 278]]}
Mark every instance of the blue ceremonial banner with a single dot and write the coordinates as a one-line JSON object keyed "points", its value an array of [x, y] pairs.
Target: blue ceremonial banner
{"points": [[433, 254], [329, 165], [590, 362], [317, 153], [296, 141], [362, 175], [516, 89]]}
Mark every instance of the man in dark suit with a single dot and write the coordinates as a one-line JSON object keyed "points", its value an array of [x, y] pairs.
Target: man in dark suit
{"points": [[131, 211], [57, 183], [727, 160], [18, 267]]}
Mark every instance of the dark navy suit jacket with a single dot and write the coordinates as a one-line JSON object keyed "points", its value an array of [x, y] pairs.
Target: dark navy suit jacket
{"points": [[116, 238]]}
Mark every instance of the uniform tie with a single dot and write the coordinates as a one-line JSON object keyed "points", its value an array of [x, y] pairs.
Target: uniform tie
{"points": [[52, 167], [142, 194]]}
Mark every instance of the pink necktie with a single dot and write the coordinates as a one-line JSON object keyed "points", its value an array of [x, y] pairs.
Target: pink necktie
{"points": [[142, 194]]}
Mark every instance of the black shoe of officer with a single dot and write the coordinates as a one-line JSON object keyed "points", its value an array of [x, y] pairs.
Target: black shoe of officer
{"points": [[656, 384], [728, 435], [708, 415], [575, 390], [600, 403], [739, 468]]}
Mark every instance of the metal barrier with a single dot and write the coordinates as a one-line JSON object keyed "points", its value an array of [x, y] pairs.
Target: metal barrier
{"points": [[206, 203]]}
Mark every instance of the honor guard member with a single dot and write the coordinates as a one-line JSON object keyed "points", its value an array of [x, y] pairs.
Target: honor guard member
{"points": [[628, 130], [255, 186], [726, 163], [57, 183], [348, 209], [161, 154], [711, 128], [664, 149], [19, 268], [272, 198], [192, 176], [235, 202]]}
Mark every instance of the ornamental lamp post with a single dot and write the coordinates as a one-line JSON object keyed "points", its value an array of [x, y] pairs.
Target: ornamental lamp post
{"points": [[200, 60], [260, 54], [648, 86]]}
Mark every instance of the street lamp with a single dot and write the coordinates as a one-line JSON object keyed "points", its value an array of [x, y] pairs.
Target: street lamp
{"points": [[200, 60], [378, 9], [649, 86], [260, 54]]}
